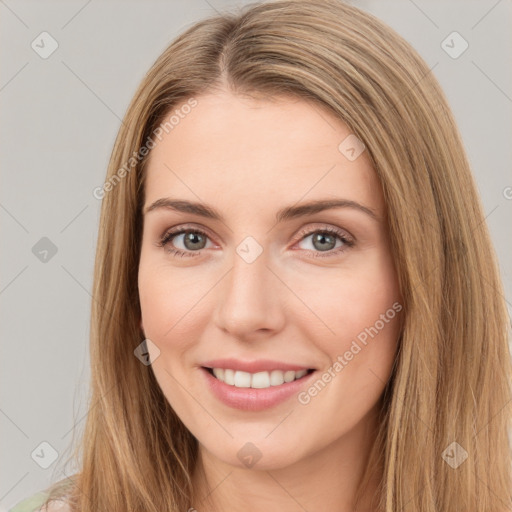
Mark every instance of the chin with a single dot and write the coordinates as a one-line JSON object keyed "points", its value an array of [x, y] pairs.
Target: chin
{"points": [[264, 454]]}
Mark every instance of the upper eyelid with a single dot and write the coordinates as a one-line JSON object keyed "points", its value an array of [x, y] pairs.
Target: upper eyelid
{"points": [[182, 229]]}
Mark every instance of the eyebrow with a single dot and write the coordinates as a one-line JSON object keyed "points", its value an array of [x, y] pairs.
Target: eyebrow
{"points": [[287, 213]]}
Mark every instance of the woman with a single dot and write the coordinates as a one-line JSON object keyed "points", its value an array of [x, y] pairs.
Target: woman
{"points": [[237, 361]]}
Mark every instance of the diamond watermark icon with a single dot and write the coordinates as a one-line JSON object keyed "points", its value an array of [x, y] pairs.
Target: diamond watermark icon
{"points": [[249, 249], [44, 249], [44, 455], [454, 45], [454, 455], [147, 352], [249, 454], [351, 147], [44, 45]]}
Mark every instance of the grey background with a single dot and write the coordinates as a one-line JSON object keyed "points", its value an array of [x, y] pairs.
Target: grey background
{"points": [[60, 116]]}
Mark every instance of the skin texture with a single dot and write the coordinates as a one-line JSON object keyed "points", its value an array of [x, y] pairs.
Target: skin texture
{"points": [[248, 158]]}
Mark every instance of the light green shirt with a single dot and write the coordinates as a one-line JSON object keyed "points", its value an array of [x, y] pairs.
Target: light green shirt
{"points": [[31, 504]]}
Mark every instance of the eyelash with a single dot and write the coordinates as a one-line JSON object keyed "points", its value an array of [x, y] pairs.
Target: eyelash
{"points": [[169, 235]]}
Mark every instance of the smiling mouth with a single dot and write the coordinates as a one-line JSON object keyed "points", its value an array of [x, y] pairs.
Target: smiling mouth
{"points": [[258, 380]]}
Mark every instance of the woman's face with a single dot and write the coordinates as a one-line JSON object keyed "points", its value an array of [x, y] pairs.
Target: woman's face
{"points": [[257, 287]]}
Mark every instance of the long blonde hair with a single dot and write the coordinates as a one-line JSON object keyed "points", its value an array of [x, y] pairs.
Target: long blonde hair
{"points": [[443, 443]]}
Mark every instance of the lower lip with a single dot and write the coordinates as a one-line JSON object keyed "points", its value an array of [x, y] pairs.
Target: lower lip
{"points": [[253, 399]]}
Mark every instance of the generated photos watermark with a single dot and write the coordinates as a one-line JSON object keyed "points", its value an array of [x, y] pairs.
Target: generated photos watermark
{"points": [[361, 341], [165, 127]]}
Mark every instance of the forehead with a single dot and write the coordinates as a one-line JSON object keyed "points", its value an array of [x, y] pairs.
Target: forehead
{"points": [[276, 149]]}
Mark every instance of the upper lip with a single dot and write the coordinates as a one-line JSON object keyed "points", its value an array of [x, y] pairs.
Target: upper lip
{"points": [[260, 365]]}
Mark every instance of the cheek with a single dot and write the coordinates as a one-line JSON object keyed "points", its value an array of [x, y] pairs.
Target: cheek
{"points": [[363, 313], [367, 310], [370, 326], [350, 299], [171, 310], [170, 302], [359, 308]]}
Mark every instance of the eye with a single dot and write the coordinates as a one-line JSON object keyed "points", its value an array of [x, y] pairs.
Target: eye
{"points": [[193, 239], [325, 240]]}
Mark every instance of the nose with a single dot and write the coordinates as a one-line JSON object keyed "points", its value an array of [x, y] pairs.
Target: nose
{"points": [[250, 300]]}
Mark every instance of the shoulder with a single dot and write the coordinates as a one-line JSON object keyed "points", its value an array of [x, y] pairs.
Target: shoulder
{"points": [[35, 503]]}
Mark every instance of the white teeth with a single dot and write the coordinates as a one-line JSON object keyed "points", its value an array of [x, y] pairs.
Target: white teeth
{"points": [[276, 378], [289, 376], [242, 379], [229, 377], [259, 380]]}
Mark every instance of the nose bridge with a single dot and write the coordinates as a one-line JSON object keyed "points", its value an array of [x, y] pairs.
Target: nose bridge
{"points": [[249, 273], [249, 293]]}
